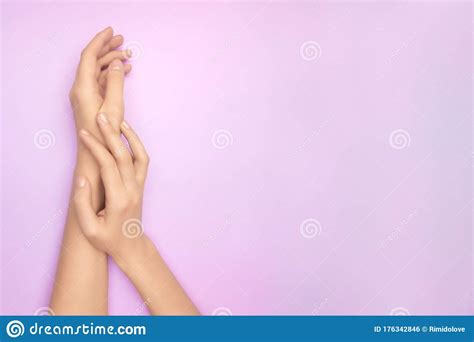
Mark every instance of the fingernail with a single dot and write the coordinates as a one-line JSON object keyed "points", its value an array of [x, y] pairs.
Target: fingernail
{"points": [[129, 53], [102, 119], [81, 181], [83, 132], [126, 125], [116, 65]]}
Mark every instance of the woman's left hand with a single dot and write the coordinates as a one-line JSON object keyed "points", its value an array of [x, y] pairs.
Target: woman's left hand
{"points": [[117, 229]]}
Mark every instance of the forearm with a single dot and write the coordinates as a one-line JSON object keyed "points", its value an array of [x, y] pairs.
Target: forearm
{"points": [[155, 282], [81, 280]]}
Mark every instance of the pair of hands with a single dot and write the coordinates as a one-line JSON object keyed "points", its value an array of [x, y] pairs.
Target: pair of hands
{"points": [[97, 101]]}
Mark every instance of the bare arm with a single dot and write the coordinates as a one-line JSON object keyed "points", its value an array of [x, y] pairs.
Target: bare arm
{"points": [[155, 282], [118, 229], [81, 279]]}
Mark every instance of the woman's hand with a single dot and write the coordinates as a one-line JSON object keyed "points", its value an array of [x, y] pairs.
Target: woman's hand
{"points": [[100, 71], [117, 229]]}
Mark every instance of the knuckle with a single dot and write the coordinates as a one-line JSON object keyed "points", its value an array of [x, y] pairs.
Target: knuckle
{"points": [[122, 155], [85, 53], [74, 94], [146, 159]]}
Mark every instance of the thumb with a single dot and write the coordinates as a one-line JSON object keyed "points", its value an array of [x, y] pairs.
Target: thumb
{"points": [[83, 204]]}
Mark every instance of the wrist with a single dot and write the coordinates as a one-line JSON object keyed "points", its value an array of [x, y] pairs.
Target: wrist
{"points": [[135, 255]]}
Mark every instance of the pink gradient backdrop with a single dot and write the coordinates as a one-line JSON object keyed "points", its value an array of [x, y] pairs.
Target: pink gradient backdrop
{"points": [[310, 139]]}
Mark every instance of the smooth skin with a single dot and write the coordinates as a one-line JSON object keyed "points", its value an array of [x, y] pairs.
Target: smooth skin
{"points": [[81, 283], [104, 217], [117, 230]]}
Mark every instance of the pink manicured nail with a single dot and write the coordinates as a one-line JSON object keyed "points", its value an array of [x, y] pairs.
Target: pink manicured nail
{"points": [[83, 132], [102, 119], [116, 65], [81, 181]]}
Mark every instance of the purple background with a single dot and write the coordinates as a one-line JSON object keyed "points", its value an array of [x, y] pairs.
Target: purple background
{"points": [[370, 137]]}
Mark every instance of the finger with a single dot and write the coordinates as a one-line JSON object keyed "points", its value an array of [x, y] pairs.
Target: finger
{"points": [[108, 168], [139, 152], [87, 65], [116, 54], [118, 148], [103, 74], [83, 205], [114, 43], [113, 101]]}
